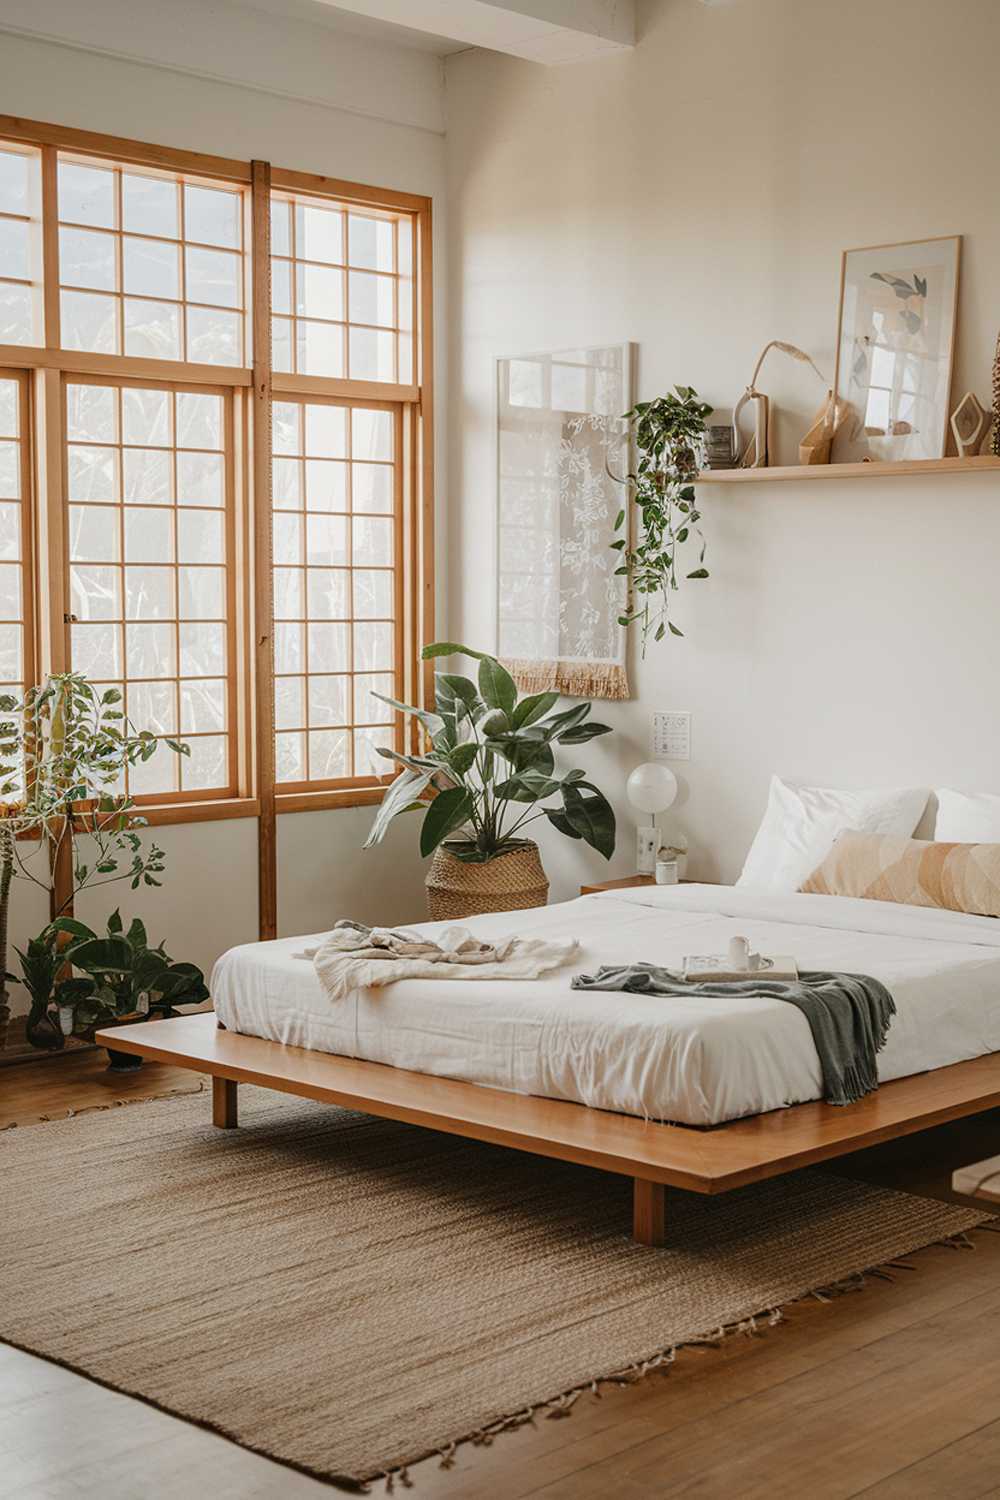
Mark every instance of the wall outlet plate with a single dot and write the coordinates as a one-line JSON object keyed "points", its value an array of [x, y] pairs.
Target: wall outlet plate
{"points": [[672, 735]]}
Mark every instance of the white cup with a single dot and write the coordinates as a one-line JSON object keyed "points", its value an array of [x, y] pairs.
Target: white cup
{"points": [[739, 952], [666, 872]]}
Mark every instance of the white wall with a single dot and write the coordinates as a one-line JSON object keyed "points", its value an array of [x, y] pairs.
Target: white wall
{"points": [[349, 127], [695, 196]]}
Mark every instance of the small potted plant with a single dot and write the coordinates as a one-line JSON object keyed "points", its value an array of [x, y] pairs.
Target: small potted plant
{"points": [[80, 980], [486, 770], [63, 750]]}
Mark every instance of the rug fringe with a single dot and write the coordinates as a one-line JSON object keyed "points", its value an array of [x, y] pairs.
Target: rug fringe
{"points": [[561, 1406], [89, 1109]]}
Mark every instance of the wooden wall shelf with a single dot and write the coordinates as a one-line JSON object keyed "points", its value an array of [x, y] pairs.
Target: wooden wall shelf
{"points": [[982, 463]]}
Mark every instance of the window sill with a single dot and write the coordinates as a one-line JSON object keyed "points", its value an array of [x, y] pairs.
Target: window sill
{"points": [[162, 814], [322, 801]]}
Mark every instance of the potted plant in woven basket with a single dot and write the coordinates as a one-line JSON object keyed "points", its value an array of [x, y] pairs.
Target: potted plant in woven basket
{"points": [[487, 767]]}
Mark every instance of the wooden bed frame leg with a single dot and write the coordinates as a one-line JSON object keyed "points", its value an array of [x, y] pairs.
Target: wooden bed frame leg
{"points": [[649, 1212], [224, 1106]]}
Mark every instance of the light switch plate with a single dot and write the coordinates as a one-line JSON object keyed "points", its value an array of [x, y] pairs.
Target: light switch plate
{"points": [[672, 736]]}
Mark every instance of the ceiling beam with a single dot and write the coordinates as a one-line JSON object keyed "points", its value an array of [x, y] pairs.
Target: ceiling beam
{"points": [[544, 31]]}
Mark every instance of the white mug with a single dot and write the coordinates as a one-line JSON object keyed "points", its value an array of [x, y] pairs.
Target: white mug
{"points": [[739, 952]]}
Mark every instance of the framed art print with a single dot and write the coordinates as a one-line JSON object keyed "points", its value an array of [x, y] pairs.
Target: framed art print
{"points": [[898, 307]]}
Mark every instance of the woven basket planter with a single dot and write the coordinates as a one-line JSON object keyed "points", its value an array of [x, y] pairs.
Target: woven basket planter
{"points": [[510, 882]]}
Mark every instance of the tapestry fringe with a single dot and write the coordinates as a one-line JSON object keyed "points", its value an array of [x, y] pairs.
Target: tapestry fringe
{"points": [[575, 679]]}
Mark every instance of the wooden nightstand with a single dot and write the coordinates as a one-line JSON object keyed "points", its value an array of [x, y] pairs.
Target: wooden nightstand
{"points": [[625, 883]]}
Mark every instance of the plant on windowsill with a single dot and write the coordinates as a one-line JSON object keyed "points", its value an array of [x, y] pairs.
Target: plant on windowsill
{"points": [[669, 437], [489, 766], [64, 749]]}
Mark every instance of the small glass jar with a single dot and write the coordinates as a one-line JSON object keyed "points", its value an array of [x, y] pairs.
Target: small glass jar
{"points": [[666, 871]]}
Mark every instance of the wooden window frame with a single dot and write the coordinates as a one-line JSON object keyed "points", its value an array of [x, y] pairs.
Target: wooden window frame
{"points": [[252, 387], [26, 501]]}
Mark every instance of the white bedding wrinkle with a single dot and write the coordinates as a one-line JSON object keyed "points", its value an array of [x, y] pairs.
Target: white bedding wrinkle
{"points": [[695, 1061]]}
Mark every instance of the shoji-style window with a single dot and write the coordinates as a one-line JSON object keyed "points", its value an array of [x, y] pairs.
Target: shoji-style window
{"points": [[151, 264], [342, 290], [338, 573], [150, 549], [235, 531], [15, 535], [20, 245]]}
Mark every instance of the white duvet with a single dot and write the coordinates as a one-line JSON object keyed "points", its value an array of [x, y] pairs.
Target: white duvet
{"points": [[696, 1061]]}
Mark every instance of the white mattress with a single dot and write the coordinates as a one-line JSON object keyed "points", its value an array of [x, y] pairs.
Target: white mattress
{"points": [[695, 1061]]}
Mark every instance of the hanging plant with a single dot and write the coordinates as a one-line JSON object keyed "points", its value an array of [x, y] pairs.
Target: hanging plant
{"points": [[669, 438]]}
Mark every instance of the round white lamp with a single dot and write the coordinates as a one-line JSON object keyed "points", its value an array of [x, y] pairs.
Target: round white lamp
{"points": [[651, 788]]}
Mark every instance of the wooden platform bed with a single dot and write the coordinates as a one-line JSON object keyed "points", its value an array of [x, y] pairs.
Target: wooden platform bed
{"points": [[655, 1156]]}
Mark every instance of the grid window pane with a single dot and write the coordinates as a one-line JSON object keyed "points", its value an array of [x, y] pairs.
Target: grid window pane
{"points": [[148, 560], [167, 257], [342, 291], [334, 590], [20, 245]]}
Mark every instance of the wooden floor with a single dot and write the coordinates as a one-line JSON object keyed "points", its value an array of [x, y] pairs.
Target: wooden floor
{"points": [[892, 1393]]}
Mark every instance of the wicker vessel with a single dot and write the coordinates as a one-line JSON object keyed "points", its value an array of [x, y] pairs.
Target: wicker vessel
{"points": [[509, 882]]}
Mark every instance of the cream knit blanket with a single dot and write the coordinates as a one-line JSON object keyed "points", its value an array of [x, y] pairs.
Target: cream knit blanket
{"points": [[354, 956]]}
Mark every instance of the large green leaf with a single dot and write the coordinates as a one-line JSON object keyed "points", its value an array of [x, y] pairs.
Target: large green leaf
{"points": [[448, 811], [431, 722], [530, 710], [592, 816], [525, 753], [528, 787], [101, 955], [568, 719], [73, 927], [581, 733], [496, 686], [456, 696], [494, 723], [463, 758], [401, 796], [449, 648], [559, 820]]}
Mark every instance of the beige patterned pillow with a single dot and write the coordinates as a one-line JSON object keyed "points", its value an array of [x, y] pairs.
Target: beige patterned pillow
{"points": [[912, 872]]}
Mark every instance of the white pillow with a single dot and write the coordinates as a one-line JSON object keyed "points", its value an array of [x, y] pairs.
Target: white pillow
{"points": [[967, 817], [802, 822]]}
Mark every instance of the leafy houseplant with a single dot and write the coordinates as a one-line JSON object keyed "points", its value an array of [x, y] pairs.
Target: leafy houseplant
{"points": [[116, 975], [64, 749], [669, 436], [488, 766]]}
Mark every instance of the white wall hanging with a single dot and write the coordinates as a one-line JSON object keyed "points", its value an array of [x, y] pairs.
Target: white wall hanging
{"points": [[560, 428]]}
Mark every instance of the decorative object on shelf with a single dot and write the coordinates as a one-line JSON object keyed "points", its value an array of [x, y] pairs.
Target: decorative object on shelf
{"points": [[488, 766], [64, 749], [754, 452], [651, 788], [719, 448], [666, 871], [995, 443], [560, 438], [895, 343], [669, 437], [969, 421], [817, 443]]}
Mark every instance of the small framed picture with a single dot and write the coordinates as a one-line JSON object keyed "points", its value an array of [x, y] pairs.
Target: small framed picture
{"points": [[898, 306]]}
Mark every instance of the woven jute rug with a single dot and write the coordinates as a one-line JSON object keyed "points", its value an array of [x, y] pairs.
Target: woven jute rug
{"points": [[347, 1295]]}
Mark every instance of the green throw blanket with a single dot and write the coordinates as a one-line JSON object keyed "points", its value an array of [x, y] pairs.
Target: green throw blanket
{"points": [[848, 1014]]}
